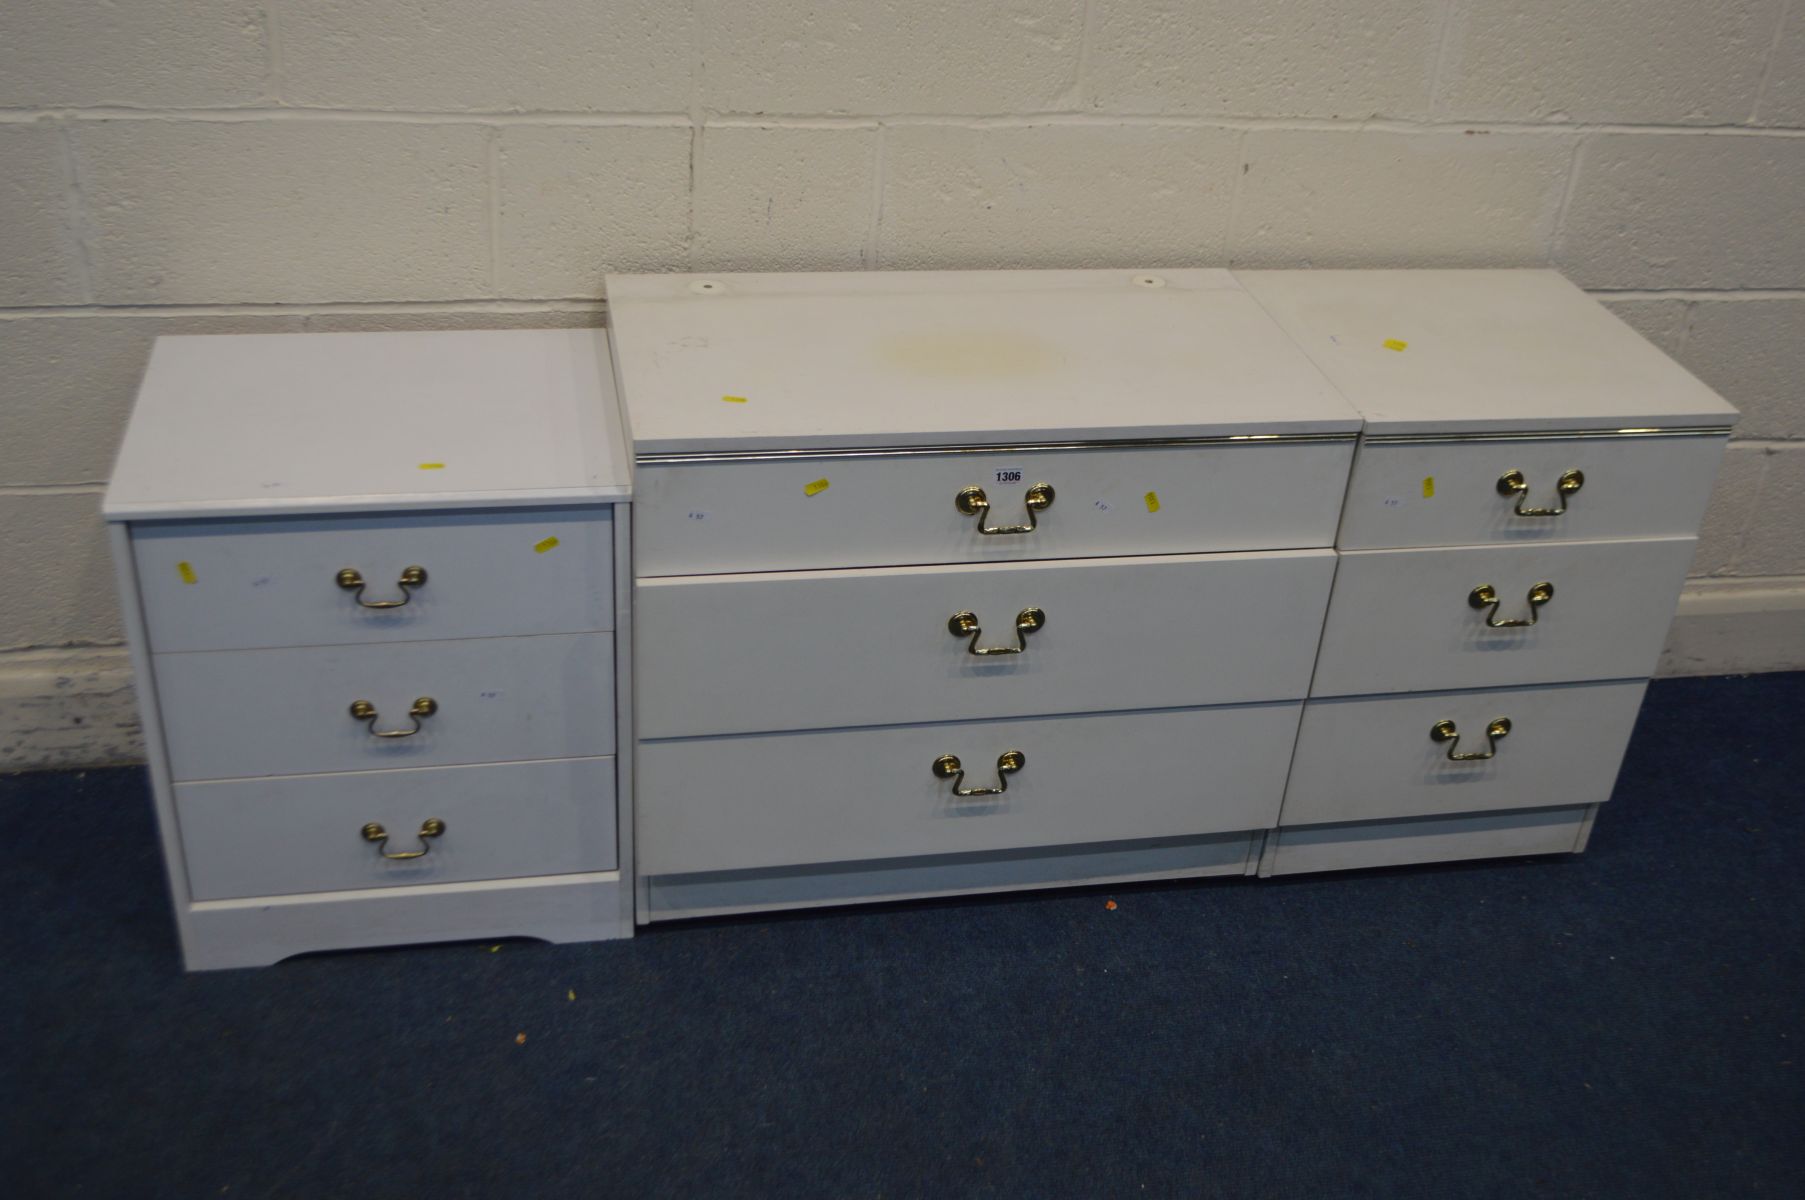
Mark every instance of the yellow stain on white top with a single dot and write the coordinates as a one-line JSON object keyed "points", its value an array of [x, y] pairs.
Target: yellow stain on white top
{"points": [[970, 354], [432, 466], [734, 399]]}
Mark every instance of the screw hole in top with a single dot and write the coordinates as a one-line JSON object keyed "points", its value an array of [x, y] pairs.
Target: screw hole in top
{"points": [[707, 286], [1149, 281]]}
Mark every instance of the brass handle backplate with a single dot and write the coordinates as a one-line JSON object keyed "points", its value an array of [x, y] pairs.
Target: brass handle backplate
{"points": [[965, 624], [430, 828], [363, 710], [947, 766], [1486, 594], [974, 503], [1512, 483], [1445, 731], [411, 577]]}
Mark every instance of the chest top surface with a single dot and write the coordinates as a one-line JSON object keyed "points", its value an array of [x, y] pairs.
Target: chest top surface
{"points": [[1466, 351], [234, 425], [749, 362]]}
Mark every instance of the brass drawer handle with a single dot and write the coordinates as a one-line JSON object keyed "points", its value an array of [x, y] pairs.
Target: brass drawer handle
{"points": [[411, 577], [1444, 731], [431, 828], [1512, 483], [1008, 763], [363, 710], [1486, 594], [974, 503], [1026, 622]]}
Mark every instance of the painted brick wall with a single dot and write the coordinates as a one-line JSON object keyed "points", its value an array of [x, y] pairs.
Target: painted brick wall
{"points": [[212, 165]]}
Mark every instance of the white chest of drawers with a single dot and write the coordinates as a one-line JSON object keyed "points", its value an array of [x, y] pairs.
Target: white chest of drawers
{"points": [[956, 582], [376, 587], [1123, 660], [1522, 511]]}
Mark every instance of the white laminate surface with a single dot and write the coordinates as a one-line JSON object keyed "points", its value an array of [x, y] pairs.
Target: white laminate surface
{"points": [[220, 585], [1365, 844], [718, 517], [303, 833], [1480, 350], [237, 713], [241, 424], [255, 931], [710, 804], [818, 649], [1434, 493], [1372, 757], [810, 361], [1403, 620]]}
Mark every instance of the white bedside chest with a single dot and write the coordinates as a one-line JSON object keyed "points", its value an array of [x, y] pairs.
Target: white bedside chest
{"points": [[953, 582], [377, 591], [1523, 509]]}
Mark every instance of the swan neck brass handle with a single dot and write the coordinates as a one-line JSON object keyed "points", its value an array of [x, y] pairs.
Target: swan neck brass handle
{"points": [[947, 766], [411, 577], [424, 707], [430, 828], [1485, 594], [1512, 483], [1445, 731], [972, 502], [963, 624]]}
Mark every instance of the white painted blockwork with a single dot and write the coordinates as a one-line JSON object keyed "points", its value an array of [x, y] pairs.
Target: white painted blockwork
{"points": [[174, 160]]}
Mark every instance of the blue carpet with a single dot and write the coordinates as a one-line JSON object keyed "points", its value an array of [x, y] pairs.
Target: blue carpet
{"points": [[1624, 1023]]}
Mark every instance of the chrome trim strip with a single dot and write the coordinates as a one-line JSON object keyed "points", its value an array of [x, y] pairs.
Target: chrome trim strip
{"points": [[1004, 448], [1546, 435]]}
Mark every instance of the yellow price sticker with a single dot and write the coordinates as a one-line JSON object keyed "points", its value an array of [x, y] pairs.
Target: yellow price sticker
{"points": [[1428, 486], [1152, 502], [186, 571], [1395, 344], [815, 488], [540, 547]]}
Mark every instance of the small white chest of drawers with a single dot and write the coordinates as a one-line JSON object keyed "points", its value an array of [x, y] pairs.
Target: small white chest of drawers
{"points": [[376, 590], [1522, 511], [957, 582]]}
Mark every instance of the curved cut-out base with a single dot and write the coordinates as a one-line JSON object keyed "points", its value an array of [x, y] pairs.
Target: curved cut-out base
{"points": [[263, 930]]}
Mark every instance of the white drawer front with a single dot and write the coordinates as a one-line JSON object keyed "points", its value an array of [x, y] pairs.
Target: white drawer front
{"points": [[1366, 759], [1404, 621], [236, 713], [814, 650], [1446, 493], [304, 833], [777, 799], [225, 585], [716, 517]]}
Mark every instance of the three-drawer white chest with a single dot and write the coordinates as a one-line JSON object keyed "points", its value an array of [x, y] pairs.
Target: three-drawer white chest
{"points": [[1523, 507], [376, 590], [956, 582]]}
